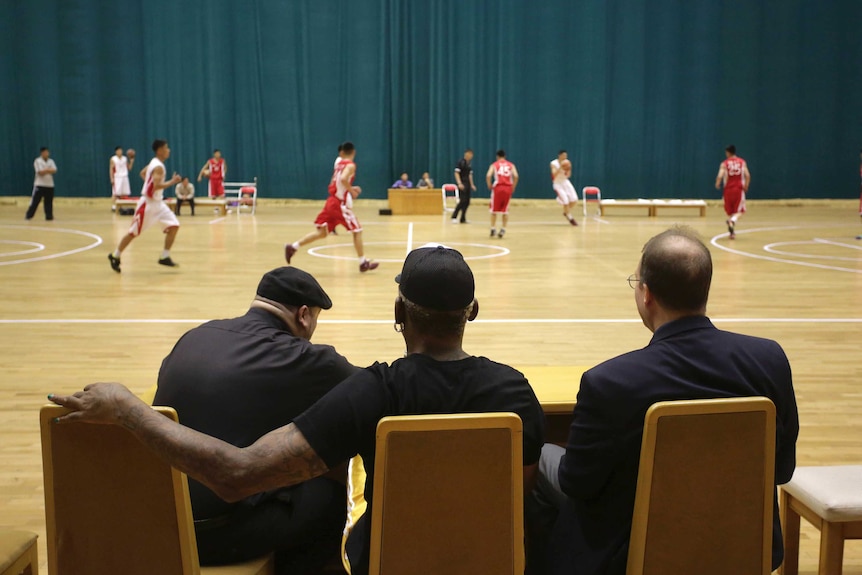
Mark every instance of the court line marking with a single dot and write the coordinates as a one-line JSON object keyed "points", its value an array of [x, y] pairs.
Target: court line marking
{"points": [[36, 247], [714, 241], [217, 220], [96, 243], [771, 249], [410, 238], [766, 320], [834, 243], [499, 251]]}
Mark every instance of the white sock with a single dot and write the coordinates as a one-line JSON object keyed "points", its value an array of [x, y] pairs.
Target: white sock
{"points": [[295, 245], [165, 254], [363, 259], [117, 254]]}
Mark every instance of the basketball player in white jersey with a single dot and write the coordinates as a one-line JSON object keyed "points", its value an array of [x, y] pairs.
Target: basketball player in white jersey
{"points": [[151, 208], [119, 171], [561, 171]]}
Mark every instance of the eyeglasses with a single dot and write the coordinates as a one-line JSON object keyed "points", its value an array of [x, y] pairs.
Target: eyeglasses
{"points": [[634, 281]]}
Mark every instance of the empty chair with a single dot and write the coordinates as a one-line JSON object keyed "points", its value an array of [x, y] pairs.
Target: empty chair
{"points": [[18, 553], [448, 495], [591, 191], [705, 489], [112, 506], [456, 193], [830, 498]]}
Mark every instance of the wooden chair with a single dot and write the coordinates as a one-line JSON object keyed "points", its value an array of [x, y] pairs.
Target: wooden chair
{"points": [[112, 506], [830, 498], [448, 495], [18, 553], [705, 489]]}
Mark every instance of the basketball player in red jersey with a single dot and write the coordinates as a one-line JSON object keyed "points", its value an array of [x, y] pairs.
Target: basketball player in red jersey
{"points": [[338, 209], [216, 170], [505, 181], [733, 173]]}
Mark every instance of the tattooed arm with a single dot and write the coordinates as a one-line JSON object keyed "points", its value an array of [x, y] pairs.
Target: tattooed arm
{"points": [[280, 458]]}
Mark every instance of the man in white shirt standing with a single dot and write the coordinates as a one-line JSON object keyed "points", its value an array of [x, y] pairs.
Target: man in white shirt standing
{"points": [[43, 185], [119, 171], [151, 208]]}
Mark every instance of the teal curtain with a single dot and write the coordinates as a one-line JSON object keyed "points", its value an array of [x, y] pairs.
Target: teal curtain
{"points": [[643, 95]]}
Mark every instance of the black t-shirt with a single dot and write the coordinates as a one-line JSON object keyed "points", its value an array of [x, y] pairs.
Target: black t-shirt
{"points": [[344, 422], [464, 169], [238, 379]]}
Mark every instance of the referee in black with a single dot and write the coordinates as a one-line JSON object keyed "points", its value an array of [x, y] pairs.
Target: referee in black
{"points": [[464, 179]]}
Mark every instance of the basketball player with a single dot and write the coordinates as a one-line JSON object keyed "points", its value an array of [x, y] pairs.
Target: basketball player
{"points": [[338, 209], [561, 171], [733, 173], [505, 181], [216, 170], [119, 171], [151, 208]]}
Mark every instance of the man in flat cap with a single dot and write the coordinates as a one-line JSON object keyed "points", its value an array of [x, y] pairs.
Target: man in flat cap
{"points": [[238, 379], [435, 301]]}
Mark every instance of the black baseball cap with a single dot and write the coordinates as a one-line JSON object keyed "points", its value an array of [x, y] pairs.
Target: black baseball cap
{"points": [[437, 277], [291, 286]]}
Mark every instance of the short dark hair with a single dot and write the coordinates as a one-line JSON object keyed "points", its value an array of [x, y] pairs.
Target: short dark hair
{"points": [[42, 149], [216, 150], [158, 144], [731, 148], [677, 268], [347, 147], [118, 148], [561, 152], [470, 150], [501, 153], [436, 323], [340, 146]]}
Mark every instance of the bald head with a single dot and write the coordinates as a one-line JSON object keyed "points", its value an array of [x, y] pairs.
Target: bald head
{"points": [[677, 268]]}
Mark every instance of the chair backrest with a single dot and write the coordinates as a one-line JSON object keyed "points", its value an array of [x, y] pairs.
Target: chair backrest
{"points": [[705, 488], [111, 505], [456, 194], [448, 495]]}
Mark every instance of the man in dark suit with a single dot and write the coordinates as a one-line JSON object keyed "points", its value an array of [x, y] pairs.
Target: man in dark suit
{"points": [[592, 482]]}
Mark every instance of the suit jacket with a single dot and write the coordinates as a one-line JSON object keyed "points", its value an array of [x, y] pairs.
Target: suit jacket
{"points": [[686, 359]]}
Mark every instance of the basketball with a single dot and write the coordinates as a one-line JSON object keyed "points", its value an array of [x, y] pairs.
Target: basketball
{"points": [[566, 165], [130, 153]]}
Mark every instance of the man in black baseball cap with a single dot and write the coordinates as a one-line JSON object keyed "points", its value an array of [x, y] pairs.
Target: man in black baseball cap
{"points": [[237, 379]]}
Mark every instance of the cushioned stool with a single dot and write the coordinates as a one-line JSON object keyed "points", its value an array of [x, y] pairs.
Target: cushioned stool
{"points": [[18, 553], [830, 498]]}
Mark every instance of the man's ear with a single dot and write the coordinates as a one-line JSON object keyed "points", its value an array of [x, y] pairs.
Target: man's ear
{"points": [[303, 316], [648, 297], [475, 311], [400, 312]]}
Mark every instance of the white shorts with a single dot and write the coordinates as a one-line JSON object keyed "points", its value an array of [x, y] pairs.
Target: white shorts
{"points": [[566, 193], [121, 186], [149, 213]]}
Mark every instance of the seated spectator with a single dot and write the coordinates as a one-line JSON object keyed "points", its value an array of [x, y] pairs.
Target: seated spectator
{"points": [[185, 192], [238, 379], [591, 483], [403, 182], [425, 182], [435, 301]]}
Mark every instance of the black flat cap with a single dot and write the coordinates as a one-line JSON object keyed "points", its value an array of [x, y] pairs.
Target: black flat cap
{"points": [[291, 286]]}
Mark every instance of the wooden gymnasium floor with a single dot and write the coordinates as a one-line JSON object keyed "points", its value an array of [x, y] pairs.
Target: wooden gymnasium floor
{"points": [[554, 299]]}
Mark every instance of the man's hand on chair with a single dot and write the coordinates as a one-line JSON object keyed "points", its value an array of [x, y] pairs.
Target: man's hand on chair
{"points": [[100, 403]]}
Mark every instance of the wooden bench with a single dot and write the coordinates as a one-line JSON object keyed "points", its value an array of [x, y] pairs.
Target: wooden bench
{"points": [[219, 204], [653, 206], [415, 201]]}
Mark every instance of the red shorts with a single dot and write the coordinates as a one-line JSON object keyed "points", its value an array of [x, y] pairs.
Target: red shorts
{"points": [[734, 201], [216, 189], [500, 196], [335, 213]]}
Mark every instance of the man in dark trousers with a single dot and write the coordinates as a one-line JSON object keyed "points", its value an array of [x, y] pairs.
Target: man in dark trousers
{"points": [[436, 375], [464, 179], [238, 379], [43, 185], [593, 481]]}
